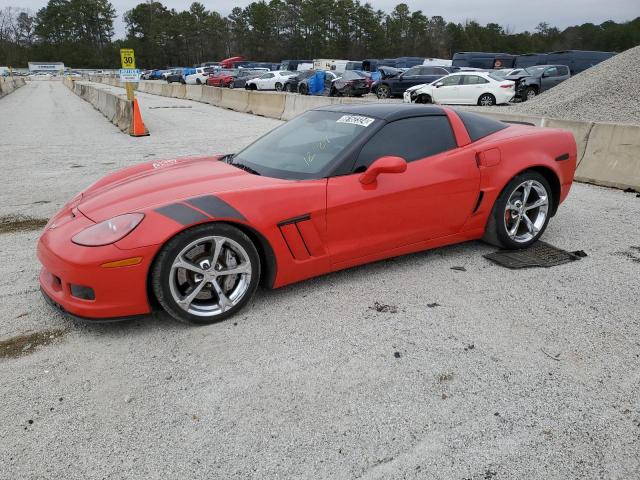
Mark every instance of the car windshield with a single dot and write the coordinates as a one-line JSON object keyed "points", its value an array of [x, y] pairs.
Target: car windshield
{"points": [[350, 75], [535, 70], [305, 147]]}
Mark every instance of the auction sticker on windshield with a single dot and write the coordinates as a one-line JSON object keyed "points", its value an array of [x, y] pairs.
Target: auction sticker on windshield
{"points": [[356, 120]]}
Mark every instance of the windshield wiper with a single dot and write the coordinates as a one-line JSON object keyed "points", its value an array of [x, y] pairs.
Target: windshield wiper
{"points": [[244, 167]]}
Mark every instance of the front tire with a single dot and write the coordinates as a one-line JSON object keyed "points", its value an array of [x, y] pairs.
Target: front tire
{"points": [[198, 82], [206, 273], [287, 88], [383, 91], [529, 94], [521, 213]]}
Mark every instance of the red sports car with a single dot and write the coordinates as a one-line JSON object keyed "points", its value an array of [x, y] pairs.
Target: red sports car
{"points": [[335, 187], [223, 78]]}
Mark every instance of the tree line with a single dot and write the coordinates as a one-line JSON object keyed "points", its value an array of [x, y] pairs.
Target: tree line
{"points": [[80, 33]]}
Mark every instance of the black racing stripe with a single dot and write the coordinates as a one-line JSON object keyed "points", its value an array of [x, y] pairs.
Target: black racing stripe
{"points": [[182, 213], [300, 218], [216, 207], [564, 156]]}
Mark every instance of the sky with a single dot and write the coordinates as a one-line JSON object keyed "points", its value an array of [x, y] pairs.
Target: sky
{"points": [[517, 15]]}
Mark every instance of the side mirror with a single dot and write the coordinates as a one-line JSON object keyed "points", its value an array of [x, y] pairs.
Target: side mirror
{"points": [[439, 84], [383, 165]]}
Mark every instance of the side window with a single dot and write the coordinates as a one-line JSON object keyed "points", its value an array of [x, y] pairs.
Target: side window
{"points": [[412, 72], [427, 71], [409, 138], [551, 72], [452, 80], [474, 80], [563, 71]]}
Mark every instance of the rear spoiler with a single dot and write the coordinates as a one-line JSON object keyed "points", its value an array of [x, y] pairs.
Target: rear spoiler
{"points": [[518, 123]]}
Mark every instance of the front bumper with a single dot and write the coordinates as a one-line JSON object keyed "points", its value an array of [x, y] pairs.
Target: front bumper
{"points": [[406, 97], [118, 292]]}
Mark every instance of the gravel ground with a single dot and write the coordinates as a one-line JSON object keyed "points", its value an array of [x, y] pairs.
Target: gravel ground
{"points": [[607, 92], [445, 377]]}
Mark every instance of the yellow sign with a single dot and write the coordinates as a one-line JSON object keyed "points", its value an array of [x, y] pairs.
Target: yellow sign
{"points": [[128, 58]]}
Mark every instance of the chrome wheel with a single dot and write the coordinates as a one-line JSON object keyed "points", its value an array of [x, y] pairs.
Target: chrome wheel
{"points": [[383, 91], [210, 275], [526, 211], [486, 100]]}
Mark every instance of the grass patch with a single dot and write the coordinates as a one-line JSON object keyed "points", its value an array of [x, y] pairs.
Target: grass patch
{"points": [[26, 344], [20, 223]]}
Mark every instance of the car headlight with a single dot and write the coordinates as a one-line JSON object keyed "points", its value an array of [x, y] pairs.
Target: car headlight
{"points": [[109, 231]]}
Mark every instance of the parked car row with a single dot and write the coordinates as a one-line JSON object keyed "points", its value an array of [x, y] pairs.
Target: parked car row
{"points": [[418, 84]]}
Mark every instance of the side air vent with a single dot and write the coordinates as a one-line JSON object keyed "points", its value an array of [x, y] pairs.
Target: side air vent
{"points": [[301, 237]]}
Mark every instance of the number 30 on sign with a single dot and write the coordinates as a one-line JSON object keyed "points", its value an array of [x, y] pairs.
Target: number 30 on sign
{"points": [[127, 57]]}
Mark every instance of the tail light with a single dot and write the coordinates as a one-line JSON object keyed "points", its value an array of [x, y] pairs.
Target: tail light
{"points": [[508, 85]]}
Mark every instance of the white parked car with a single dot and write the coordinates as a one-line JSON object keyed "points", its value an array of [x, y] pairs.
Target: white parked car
{"points": [[200, 77], [463, 88], [270, 81]]}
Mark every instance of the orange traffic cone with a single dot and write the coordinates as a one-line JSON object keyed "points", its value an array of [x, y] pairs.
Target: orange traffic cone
{"points": [[137, 127]]}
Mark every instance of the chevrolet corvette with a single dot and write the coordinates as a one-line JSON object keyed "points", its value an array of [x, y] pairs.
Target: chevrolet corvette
{"points": [[336, 187]]}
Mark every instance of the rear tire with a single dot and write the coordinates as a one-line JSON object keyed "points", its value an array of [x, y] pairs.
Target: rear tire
{"points": [[278, 87], [302, 89], [486, 100], [519, 218], [198, 82], [287, 88], [201, 293]]}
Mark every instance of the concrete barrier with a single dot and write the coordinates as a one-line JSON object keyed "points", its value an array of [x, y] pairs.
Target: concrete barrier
{"points": [[165, 90], [232, 99], [178, 91], [580, 130], [211, 95], [111, 104], [612, 156], [266, 105], [10, 84], [296, 104], [193, 92]]}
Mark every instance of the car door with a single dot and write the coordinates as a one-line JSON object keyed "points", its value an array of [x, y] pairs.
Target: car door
{"points": [[446, 89], [471, 87], [433, 198], [550, 78], [405, 80], [266, 82]]}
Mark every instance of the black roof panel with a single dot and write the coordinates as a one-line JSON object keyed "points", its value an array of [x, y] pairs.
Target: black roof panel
{"points": [[385, 111]]}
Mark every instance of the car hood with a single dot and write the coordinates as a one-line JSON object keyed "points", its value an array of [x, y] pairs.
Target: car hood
{"points": [[417, 87], [153, 184], [515, 78]]}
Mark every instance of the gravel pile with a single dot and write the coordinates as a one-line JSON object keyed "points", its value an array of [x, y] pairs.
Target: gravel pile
{"points": [[607, 92]]}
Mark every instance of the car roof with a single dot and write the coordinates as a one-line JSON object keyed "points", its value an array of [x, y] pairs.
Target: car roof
{"points": [[386, 111]]}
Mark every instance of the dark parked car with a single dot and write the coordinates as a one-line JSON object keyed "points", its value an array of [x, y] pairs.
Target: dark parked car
{"points": [[244, 75], [179, 74], [533, 81], [291, 84], [395, 86], [349, 84], [175, 76]]}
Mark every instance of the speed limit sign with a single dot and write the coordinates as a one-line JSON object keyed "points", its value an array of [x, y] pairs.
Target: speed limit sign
{"points": [[128, 58]]}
